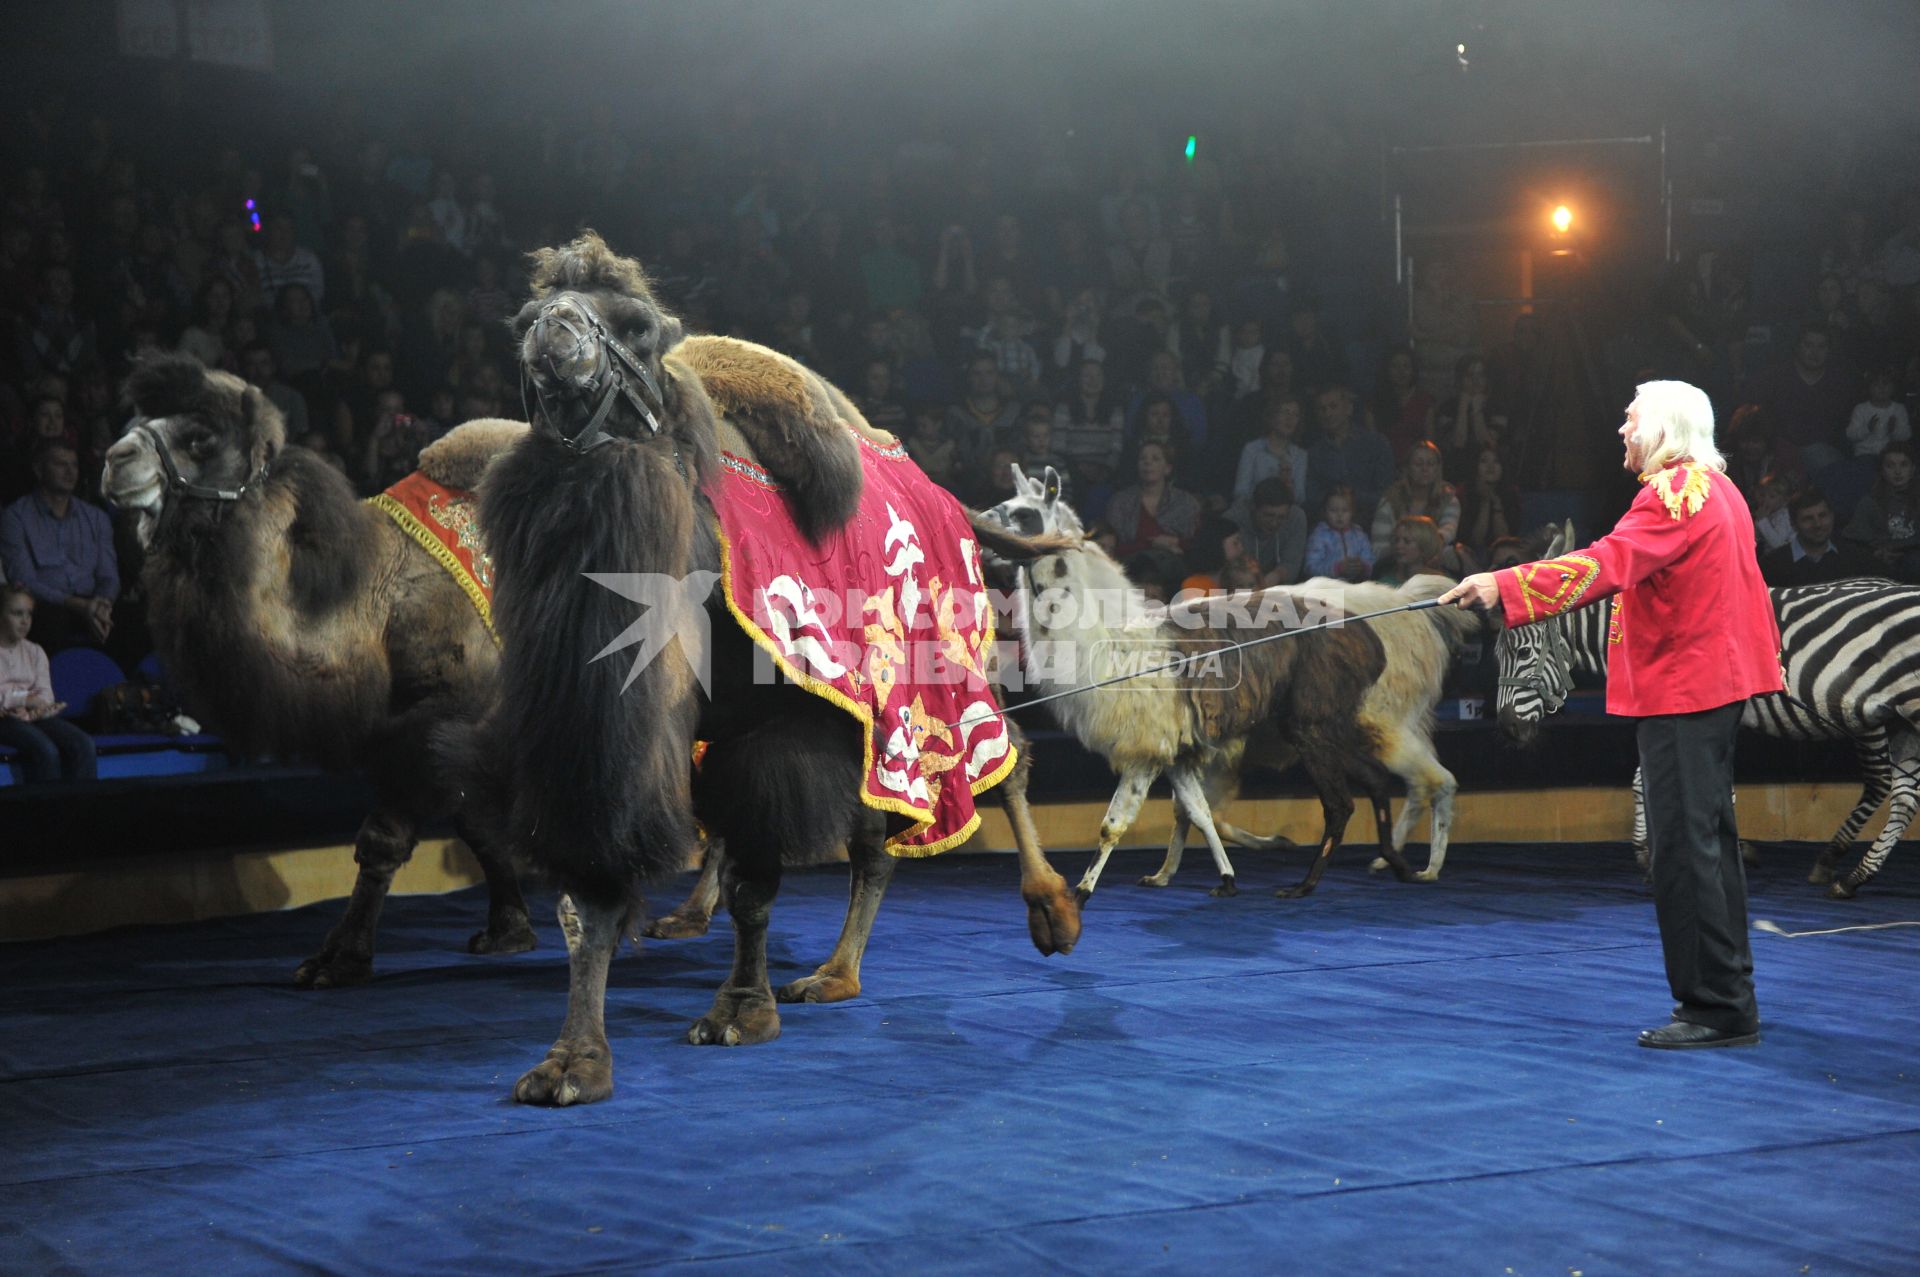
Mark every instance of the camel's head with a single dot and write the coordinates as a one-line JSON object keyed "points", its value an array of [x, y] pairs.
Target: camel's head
{"points": [[196, 435], [592, 341]]}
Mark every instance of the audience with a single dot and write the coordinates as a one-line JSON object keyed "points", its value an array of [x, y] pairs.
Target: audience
{"points": [[50, 748], [1811, 556], [1886, 522], [60, 549], [1335, 547]]}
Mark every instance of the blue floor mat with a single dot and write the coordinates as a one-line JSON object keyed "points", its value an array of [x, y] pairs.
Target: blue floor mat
{"points": [[1383, 1078]]}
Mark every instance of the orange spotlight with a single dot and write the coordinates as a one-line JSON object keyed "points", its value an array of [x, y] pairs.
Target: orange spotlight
{"points": [[1562, 219]]}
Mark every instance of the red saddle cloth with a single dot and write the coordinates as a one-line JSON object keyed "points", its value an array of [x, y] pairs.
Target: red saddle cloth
{"points": [[888, 618], [442, 520]]}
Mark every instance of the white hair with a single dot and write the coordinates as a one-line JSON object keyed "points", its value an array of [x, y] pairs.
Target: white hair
{"points": [[1678, 420]]}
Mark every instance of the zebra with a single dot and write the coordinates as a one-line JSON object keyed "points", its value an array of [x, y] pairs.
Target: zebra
{"points": [[1850, 653]]}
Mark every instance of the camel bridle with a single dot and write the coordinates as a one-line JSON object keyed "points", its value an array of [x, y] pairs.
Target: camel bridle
{"points": [[177, 482], [616, 368]]}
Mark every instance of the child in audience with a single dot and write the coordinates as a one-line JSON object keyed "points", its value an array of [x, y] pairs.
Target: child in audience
{"points": [[1879, 421], [1335, 547], [50, 748]]}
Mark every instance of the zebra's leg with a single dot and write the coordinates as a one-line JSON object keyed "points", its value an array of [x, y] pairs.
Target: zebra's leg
{"points": [[1188, 793], [1121, 811], [1876, 764], [1906, 795], [1642, 850]]}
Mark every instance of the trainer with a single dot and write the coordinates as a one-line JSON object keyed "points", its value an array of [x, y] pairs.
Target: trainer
{"points": [[1692, 637]]}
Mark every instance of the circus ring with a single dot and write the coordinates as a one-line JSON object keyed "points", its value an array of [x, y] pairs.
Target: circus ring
{"points": [[1383, 1078]]}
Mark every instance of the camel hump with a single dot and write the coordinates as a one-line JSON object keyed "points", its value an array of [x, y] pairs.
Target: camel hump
{"points": [[458, 458], [799, 427]]}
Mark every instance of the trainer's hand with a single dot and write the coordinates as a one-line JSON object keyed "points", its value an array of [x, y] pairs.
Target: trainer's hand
{"points": [[1482, 590]]}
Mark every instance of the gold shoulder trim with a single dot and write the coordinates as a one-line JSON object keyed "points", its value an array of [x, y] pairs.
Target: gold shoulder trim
{"points": [[1694, 485]]}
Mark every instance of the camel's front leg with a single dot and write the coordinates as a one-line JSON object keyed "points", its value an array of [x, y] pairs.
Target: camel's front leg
{"points": [[692, 916], [1121, 812], [743, 1011], [385, 842], [579, 1067], [1188, 793], [1053, 914], [870, 869]]}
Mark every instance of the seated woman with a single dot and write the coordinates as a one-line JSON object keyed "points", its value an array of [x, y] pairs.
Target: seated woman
{"points": [[1416, 547], [1490, 507], [1151, 516], [50, 747], [1419, 489], [1468, 419], [1402, 411], [1887, 519], [1276, 452]]}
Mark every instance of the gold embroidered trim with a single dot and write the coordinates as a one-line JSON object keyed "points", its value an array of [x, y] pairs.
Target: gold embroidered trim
{"points": [[1694, 487], [430, 542], [1574, 573]]}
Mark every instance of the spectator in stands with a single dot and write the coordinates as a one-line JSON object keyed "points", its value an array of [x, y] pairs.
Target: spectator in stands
{"points": [[1275, 452], [1151, 515], [1163, 379], [1004, 336], [891, 276], [50, 748], [301, 339], [1036, 448], [1275, 530], [206, 337], [284, 261], [1200, 342], [1139, 259], [1880, 419], [984, 416], [1758, 453], [1772, 521], [1318, 361], [56, 338], [931, 447], [1089, 426], [1810, 399], [234, 260], [1335, 547], [1490, 507], [356, 408], [1416, 546], [1346, 454], [488, 301], [61, 549], [1219, 559], [1079, 338], [258, 367], [1418, 490], [46, 421], [1811, 556], [393, 449], [878, 401], [1468, 419], [1887, 520], [1402, 411]]}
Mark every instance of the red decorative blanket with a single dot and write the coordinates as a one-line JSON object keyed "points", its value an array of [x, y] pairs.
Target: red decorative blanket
{"points": [[442, 520], [889, 619]]}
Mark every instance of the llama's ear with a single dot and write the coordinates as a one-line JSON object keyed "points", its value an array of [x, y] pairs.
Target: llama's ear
{"points": [[1566, 534], [1020, 481], [1051, 486]]}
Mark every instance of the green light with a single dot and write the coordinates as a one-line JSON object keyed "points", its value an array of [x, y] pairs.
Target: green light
{"points": [[1193, 144]]}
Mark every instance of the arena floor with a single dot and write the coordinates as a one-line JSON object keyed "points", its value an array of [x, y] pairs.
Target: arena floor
{"points": [[1381, 1079]]}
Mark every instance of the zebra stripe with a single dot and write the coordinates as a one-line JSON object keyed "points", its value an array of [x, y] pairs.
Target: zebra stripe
{"points": [[1851, 653]]}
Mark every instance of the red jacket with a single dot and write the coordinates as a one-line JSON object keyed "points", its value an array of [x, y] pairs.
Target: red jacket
{"points": [[1693, 627]]}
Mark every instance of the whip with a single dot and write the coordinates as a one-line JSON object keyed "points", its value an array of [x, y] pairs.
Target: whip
{"points": [[1185, 661], [1774, 929]]}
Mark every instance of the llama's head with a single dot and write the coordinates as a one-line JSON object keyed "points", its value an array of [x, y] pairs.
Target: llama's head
{"points": [[1035, 508], [197, 436]]}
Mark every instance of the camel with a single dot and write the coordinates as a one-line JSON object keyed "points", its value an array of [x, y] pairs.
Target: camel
{"points": [[302, 623], [632, 424]]}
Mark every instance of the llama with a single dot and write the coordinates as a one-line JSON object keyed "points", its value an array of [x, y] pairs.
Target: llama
{"points": [[1397, 711]]}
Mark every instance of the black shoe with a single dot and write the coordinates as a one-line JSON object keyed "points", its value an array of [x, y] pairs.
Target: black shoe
{"points": [[1682, 1036]]}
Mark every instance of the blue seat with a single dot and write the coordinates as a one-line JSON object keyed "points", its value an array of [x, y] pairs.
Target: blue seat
{"points": [[79, 674], [150, 669]]}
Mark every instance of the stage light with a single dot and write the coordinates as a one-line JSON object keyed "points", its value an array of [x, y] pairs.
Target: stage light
{"points": [[1460, 52], [1562, 219], [1193, 145], [253, 216]]}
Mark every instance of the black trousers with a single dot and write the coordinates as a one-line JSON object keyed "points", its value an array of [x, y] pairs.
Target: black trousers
{"points": [[1699, 884]]}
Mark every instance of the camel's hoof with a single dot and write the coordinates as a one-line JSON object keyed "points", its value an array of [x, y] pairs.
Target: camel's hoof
{"points": [[821, 986], [334, 971], [1153, 880], [678, 926], [1843, 890], [567, 1077], [1293, 893], [1226, 888], [737, 1020], [515, 935], [1053, 920]]}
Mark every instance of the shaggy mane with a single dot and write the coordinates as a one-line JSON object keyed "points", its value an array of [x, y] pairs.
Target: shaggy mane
{"points": [[588, 265]]}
